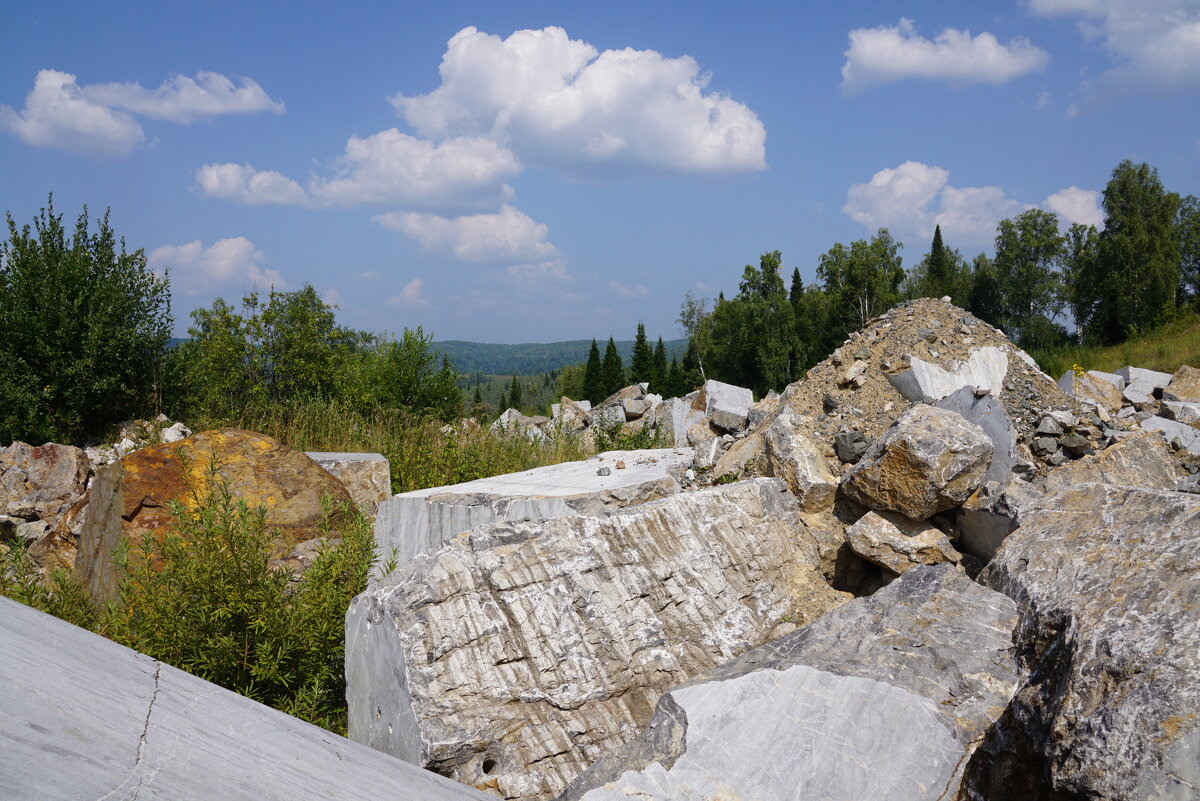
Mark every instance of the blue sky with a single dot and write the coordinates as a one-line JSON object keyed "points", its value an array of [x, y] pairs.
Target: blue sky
{"points": [[545, 171]]}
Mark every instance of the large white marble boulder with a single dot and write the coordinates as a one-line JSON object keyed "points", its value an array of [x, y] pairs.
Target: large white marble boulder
{"points": [[84, 718], [799, 461], [883, 698], [413, 522], [520, 652], [726, 405]]}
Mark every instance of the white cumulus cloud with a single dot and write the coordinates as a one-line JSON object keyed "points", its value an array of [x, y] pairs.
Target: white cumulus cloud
{"points": [[1153, 44], [1076, 205], [226, 262], [98, 119], [508, 236], [241, 183], [560, 102], [411, 295], [182, 99], [913, 198], [59, 115], [388, 167], [897, 52]]}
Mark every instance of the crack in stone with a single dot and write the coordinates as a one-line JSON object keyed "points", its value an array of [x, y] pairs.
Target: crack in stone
{"points": [[137, 759]]}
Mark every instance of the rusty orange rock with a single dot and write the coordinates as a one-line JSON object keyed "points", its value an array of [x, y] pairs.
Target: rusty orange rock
{"points": [[131, 497]]}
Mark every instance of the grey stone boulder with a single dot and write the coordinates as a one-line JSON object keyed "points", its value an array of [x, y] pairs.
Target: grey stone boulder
{"points": [[1107, 581], [706, 444], [1181, 412], [726, 405], [674, 417], [1141, 460], [883, 698], [84, 718], [414, 522], [850, 446], [993, 512], [987, 413], [929, 460], [1171, 430], [799, 461], [1142, 386], [520, 652], [898, 544], [513, 422]]}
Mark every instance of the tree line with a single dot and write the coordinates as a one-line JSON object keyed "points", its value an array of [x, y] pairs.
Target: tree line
{"points": [[1137, 272], [85, 329]]}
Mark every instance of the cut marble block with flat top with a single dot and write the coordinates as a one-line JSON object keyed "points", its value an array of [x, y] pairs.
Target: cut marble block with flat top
{"points": [[415, 522]]}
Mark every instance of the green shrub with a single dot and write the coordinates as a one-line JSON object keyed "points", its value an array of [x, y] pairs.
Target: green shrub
{"points": [[83, 326]]}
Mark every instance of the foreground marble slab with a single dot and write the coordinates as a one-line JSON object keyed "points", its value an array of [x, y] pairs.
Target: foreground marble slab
{"points": [[84, 718], [415, 522]]}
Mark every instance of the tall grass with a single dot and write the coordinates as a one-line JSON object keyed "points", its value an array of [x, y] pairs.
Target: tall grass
{"points": [[422, 453], [1175, 344]]}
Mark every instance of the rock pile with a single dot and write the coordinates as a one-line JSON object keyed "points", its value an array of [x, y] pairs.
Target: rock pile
{"points": [[1146, 399], [42, 498]]}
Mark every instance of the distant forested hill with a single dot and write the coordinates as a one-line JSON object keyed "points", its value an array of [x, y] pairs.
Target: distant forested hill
{"points": [[532, 358]]}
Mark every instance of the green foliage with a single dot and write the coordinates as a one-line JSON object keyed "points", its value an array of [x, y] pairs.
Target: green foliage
{"points": [[641, 365], [593, 378], [612, 371], [660, 366], [696, 323], [610, 437], [942, 272], [1188, 228], [514, 394], [1165, 348], [83, 327], [59, 594], [1029, 255], [289, 349], [754, 341], [859, 282], [1137, 257]]}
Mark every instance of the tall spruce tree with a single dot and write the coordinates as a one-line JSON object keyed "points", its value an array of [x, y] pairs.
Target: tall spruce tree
{"points": [[641, 364], [514, 393], [593, 376], [612, 370], [1137, 255], [660, 367], [937, 266]]}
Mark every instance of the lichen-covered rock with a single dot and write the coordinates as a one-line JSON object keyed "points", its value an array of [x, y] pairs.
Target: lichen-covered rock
{"points": [[514, 656], [129, 498], [928, 461], [1141, 460], [898, 544], [1092, 388], [1184, 386], [41, 482], [885, 697], [798, 460], [1107, 580]]}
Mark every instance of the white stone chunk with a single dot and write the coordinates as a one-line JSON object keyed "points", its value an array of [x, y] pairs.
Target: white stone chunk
{"points": [[727, 405], [925, 382]]}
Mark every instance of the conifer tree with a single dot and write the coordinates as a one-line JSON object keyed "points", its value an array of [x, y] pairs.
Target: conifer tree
{"points": [[593, 381], [641, 365], [676, 386], [502, 403], [937, 265], [660, 367], [612, 370], [514, 393]]}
